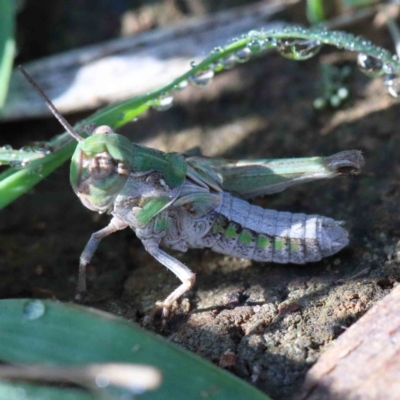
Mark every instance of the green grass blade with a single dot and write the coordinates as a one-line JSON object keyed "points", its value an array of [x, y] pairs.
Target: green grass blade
{"points": [[33, 331], [315, 11], [16, 181], [19, 157], [7, 46]]}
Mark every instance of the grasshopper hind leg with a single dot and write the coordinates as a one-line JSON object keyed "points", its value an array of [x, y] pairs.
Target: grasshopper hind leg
{"points": [[115, 225], [186, 276]]}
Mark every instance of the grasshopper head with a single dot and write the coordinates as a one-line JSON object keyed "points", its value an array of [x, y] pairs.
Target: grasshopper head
{"points": [[100, 167], [101, 163]]}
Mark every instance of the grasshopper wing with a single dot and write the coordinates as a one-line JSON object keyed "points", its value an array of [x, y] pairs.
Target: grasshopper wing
{"points": [[251, 178]]}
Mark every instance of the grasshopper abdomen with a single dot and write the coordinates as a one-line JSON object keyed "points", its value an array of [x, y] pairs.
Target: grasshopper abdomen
{"points": [[247, 231]]}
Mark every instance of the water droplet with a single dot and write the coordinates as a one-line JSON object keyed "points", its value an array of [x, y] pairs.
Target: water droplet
{"points": [[201, 78], [7, 147], [40, 150], [241, 56], [216, 50], [33, 309], [253, 34], [26, 149], [193, 64], [163, 103], [135, 348], [319, 103], [181, 85], [228, 62], [15, 164], [102, 381], [369, 65], [388, 69], [255, 46], [343, 93], [335, 101], [217, 66], [298, 49], [392, 85], [270, 43]]}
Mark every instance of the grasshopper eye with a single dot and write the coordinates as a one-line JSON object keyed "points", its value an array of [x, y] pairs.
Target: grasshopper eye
{"points": [[103, 130], [101, 166]]}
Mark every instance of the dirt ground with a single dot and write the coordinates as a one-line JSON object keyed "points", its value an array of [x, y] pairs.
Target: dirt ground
{"points": [[266, 323]]}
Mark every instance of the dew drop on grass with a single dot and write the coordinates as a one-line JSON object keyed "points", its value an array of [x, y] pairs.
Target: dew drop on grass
{"points": [[163, 102], [252, 34], [217, 66], [369, 65], [15, 164], [228, 62], [298, 49], [343, 93], [7, 147], [335, 101], [181, 85], [270, 42], [243, 55], [102, 381], [319, 103], [392, 85], [255, 46], [216, 50], [33, 309], [41, 150], [26, 149], [201, 78]]}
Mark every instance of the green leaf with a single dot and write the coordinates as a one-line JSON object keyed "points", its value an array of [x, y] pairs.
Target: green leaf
{"points": [[33, 331], [7, 46]]}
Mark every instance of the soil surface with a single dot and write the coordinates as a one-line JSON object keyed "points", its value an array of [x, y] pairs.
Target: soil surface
{"points": [[266, 323]]}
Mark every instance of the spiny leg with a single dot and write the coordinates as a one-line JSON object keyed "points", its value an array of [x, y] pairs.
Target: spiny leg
{"points": [[115, 225], [186, 276]]}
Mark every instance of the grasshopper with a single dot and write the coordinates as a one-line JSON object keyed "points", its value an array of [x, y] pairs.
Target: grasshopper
{"points": [[187, 201]]}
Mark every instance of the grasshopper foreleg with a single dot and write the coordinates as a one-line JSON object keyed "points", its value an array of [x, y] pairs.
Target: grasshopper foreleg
{"points": [[115, 225], [186, 276]]}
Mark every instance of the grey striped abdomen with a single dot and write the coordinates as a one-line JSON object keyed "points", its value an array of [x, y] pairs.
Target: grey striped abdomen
{"points": [[246, 231]]}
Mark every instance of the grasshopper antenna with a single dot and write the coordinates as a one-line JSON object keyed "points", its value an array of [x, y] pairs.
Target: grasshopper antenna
{"points": [[51, 106]]}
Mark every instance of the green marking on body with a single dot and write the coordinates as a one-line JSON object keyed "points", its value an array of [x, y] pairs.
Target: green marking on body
{"points": [[230, 231], [294, 246], [151, 207], [245, 237], [263, 241], [217, 228], [279, 244], [160, 224]]}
